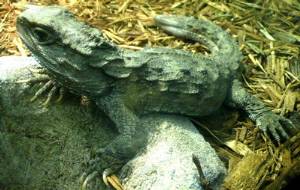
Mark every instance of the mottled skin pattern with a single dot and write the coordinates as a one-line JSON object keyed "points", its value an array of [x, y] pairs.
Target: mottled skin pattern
{"points": [[127, 84]]}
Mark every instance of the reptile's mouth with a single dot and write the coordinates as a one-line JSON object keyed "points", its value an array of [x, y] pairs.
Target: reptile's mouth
{"points": [[25, 34]]}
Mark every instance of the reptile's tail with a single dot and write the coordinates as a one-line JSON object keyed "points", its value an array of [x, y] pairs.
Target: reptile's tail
{"points": [[222, 46]]}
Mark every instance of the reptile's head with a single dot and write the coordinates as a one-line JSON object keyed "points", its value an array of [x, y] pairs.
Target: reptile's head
{"points": [[52, 32], [63, 45]]}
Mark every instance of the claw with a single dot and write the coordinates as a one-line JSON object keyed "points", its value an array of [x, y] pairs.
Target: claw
{"points": [[41, 78], [295, 147], [61, 93], [275, 126], [107, 172], [115, 182], [49, 85], [274, 133], [88, 179], [82, 178], [289, 124], [41, 90], [283, 133], [38, 70], [296, 151], [50, 95]]}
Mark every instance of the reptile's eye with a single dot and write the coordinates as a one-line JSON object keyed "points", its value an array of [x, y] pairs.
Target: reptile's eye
{"points": [[42, 36]]}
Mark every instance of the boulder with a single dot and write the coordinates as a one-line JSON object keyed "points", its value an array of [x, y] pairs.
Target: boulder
{"points": [[166, 162]]}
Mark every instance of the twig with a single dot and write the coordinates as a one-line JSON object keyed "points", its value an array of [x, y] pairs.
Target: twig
{"points": [[203, 181]]}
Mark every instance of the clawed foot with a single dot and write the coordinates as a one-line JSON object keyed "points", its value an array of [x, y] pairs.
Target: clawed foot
{"points": [[294, 146], [50, 86], [99, 166], [275, 126], [85, 179]]}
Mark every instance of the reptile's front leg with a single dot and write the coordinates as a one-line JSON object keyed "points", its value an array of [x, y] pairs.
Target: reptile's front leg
{"points": [[270, 123], [124, 147], [49, 86]]}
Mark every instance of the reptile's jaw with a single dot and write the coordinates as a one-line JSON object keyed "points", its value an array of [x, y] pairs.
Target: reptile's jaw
{"points": [[24, 33]]}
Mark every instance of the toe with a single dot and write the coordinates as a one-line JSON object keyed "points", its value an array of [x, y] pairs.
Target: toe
{"points": [[107, 172], [115, 182], [274, 133], [42, 90], [282, 132], [82, 178], [288, 124], [89, 178]]}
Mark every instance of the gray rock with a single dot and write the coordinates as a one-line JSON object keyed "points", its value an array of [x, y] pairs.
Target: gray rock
{"points": [[166, 163], [45, 147]]}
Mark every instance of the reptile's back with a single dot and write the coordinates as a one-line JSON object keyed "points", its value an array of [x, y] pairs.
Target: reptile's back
{"points": [[177, 81]]}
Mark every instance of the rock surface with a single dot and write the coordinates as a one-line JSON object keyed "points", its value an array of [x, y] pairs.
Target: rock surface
{"points": [[46, 147], [166, 163], [43, 147]]}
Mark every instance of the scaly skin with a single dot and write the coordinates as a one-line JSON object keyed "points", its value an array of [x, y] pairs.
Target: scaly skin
{"points": [[127, 84]]}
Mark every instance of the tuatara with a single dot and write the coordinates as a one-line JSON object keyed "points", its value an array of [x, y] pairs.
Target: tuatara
{"points": [[128, 84]]}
